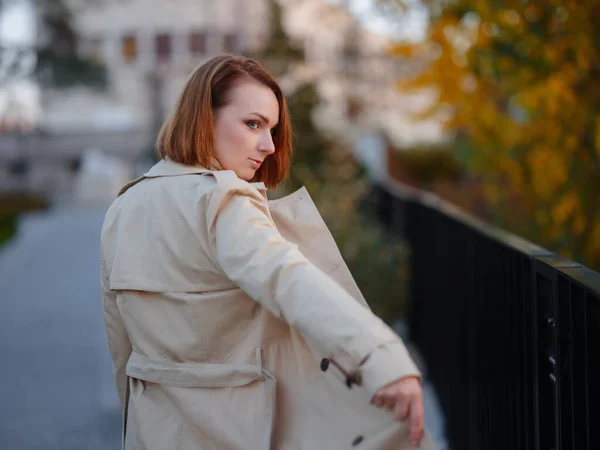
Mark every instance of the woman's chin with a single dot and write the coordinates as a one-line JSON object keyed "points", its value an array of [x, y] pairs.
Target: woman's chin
{"points": [[246, 175]]}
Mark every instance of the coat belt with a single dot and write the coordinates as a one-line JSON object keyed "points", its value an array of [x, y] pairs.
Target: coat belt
{"points": [[190, 375], [195, 375]]}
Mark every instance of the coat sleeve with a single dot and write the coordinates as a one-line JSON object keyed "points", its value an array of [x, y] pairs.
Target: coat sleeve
{"points": [[254, 255], [118, 341]]}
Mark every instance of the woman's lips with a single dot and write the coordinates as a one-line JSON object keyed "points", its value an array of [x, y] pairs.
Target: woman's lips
{"points": [[255, 163]]}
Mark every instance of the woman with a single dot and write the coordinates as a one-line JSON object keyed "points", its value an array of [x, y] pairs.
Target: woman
{"points": [[232, 321]]}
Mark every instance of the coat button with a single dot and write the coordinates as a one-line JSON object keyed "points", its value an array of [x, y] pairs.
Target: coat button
{"points": [[357, 440], [324, 364]]}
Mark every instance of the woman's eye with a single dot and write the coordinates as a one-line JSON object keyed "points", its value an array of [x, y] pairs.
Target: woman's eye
{"points": [[251, 124]]}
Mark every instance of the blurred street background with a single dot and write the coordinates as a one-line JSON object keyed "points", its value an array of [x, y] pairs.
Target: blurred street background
{"points": [[493, 106]]}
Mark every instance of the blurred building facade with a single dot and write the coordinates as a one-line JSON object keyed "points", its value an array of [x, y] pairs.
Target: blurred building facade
{"points": [[148, 49]]}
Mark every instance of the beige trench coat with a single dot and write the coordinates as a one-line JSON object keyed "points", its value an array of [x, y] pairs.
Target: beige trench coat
{"points": [[223, 310]]}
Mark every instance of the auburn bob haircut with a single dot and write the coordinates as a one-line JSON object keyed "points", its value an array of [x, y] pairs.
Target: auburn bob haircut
{"points": [[187, 135]]}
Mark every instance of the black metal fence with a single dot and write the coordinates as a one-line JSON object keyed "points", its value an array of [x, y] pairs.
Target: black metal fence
{"points": [[510, 332]]}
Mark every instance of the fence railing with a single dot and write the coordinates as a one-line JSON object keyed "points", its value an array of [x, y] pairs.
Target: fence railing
{"points": [[510, 332]]}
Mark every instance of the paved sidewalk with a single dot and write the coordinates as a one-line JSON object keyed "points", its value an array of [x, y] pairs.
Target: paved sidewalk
{"points": [[56, 385]]}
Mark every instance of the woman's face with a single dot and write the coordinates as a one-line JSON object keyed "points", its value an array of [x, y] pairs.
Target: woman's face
{"points": [[243, 128]]}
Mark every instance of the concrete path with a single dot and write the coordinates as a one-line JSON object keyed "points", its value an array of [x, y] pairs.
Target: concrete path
{"points": [[56, 385], [56, 388]]}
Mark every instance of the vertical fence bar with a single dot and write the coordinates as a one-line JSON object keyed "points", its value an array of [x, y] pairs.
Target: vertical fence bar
{"points": [[593, 365], [471, 348], [579, 361], [565, 365]]}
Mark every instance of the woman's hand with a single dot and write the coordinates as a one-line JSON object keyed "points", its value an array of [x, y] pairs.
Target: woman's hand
{"points": [[404, 397]]}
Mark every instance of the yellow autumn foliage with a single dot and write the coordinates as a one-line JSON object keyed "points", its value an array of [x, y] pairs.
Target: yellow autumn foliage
{"points": [[523, 82], [565, 208]]}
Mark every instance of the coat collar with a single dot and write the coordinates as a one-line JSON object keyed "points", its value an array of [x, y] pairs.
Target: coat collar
{"points": [[168, 168]]}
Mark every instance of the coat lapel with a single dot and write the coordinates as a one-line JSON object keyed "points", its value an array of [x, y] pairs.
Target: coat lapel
{"points": [[298, 220]]}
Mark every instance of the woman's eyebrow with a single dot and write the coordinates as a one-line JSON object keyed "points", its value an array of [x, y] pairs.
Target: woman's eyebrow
{"points": [[264, 118]]}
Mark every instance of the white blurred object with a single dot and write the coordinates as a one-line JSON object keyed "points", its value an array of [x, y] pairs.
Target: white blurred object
{"points": [[80, 108], [371, 150], [17, 23], [100, 178], [20, 97], [20, 105]]}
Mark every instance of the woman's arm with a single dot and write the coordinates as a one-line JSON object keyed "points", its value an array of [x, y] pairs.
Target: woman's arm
{"points": [[118, 340], [254, 255]]}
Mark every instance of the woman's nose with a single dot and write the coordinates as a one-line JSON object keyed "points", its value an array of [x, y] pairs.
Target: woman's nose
{"points": [[266, 144]]}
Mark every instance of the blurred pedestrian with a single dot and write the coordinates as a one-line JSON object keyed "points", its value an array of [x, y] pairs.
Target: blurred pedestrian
{"points": [[233, 321]]}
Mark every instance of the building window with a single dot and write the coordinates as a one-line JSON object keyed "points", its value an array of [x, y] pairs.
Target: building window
{"points": [[129, 48], [230, 42], [197, 41], [163, 46]]}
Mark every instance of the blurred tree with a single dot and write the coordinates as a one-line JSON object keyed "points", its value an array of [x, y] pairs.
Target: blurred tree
{"points": [[518, 83], [11, 206], [57, 47], [280, 57], [58, 52], [280, 54], [338, 184]]}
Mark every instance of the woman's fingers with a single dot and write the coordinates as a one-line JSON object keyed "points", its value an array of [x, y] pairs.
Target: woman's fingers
{"points": [[378, 400], [402, 409], [404, 397], [416, 420]]}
